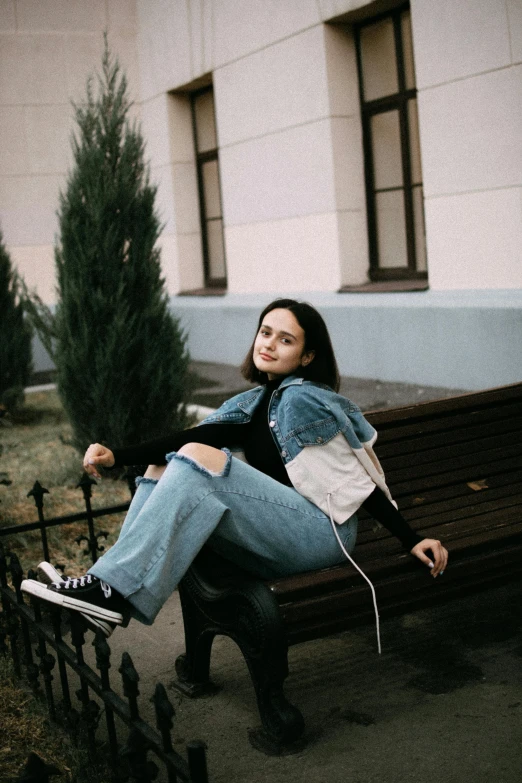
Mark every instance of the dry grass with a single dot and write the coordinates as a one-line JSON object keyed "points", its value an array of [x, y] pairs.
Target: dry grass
{"points": [[35, 446], [25, 728]]}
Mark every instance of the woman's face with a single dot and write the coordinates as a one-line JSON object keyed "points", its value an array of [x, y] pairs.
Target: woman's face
{"points": [[279, 345]]}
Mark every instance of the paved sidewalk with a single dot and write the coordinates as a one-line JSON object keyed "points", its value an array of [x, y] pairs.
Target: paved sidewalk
{"points": [[226, 380]]}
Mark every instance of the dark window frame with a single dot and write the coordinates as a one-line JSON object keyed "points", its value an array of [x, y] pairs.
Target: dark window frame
{"points": [[399, 102], [202, 158]]}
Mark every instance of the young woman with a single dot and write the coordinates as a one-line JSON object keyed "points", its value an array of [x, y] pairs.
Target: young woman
{"points": [[272, 481]]}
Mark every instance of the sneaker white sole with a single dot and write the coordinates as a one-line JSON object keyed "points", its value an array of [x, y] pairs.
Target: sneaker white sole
{"points": [[48, 574], [32, 587]]}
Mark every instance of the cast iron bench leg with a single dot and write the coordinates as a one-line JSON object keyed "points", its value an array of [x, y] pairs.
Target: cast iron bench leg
{"points": [[250, 616]]}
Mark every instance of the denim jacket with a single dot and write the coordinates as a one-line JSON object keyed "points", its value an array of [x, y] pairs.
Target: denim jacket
{"points": [[323, 439]]}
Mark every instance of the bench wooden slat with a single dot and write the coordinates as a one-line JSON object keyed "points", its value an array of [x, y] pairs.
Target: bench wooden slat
{"points": [[442, 454], [353, 591], [503, 482], [457, 434], [495, 399], [327, 580], [447, 513], [481, 471], [426, 426], [402, 594], [452, 530], [485, 458], [471, 499]]}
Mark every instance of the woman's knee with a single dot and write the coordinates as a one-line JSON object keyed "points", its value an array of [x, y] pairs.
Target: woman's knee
{"points": [[155, 471], [207, 456]]}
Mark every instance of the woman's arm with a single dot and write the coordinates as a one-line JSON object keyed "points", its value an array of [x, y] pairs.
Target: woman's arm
{"points": [[381, 509], [153, 453]]}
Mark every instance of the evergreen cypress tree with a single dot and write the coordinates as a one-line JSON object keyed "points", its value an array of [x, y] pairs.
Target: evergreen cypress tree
{"points": [[120, 355], [15, 336]]}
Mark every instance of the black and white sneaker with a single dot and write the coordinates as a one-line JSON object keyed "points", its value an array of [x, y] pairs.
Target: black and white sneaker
{"points": [[48, 574], [85, 594]]}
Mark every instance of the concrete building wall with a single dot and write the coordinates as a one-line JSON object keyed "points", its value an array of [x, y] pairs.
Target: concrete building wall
{"points": [[291, 165], [289, 136], [47, 50], [468, 58]]}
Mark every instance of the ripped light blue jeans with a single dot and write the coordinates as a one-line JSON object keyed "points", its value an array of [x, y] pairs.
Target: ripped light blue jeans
{"points": [[244, 515]]}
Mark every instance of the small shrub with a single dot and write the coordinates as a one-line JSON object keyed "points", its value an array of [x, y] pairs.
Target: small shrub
{"points": [[122, 364], [16, 336]]}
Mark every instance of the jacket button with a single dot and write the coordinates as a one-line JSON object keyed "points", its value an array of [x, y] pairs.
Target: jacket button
{"points": [[283, 453], [272, 424], [319, 440]]}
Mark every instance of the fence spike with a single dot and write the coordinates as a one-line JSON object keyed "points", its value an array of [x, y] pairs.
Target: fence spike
{"points": [[163, 705], [130, 679], [3, 633], [103, 652], [37, 492], [36, 770], [47, 662], [165, 713], [103, 663], [86, 483]]}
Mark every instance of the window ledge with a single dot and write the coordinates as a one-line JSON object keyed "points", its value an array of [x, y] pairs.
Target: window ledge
{"points": [[210, 291], [385, 287]]}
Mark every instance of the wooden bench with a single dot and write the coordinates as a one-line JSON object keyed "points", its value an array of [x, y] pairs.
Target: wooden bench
{"points": [[455, 468]]}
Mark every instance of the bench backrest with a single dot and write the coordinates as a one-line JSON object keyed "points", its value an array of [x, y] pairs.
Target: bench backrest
{"points": [[455, 468]]}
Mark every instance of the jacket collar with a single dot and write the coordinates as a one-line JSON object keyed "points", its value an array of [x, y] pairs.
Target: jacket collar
{"points": [[290, 380], [250, 399]]}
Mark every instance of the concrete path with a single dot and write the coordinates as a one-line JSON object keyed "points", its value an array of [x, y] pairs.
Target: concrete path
{"points": [[225, 380]]}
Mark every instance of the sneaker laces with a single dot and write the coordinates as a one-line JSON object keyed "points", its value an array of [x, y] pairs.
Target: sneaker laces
{"points": [[73, 582]]}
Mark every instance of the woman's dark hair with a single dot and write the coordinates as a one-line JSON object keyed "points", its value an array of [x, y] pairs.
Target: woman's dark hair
{"points": [[323, 368]]}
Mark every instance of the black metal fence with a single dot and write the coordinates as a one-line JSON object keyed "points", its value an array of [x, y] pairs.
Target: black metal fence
{"points": [[34, 640]]}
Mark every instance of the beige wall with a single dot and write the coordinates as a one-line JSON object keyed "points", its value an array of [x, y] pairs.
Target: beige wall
{"points": [[289, 140], [468, 58], [289, 133], [47, 50], [291, 164]]}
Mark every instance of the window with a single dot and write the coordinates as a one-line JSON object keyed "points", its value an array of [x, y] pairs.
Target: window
{"points": [[205, 141], [391, 147]]}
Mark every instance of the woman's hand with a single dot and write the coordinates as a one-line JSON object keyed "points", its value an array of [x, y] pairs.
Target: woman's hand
{"points": [[97, 455], [439, 555]]}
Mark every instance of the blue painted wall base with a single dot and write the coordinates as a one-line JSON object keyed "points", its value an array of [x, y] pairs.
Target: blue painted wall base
{"points": [[455, 339]]}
